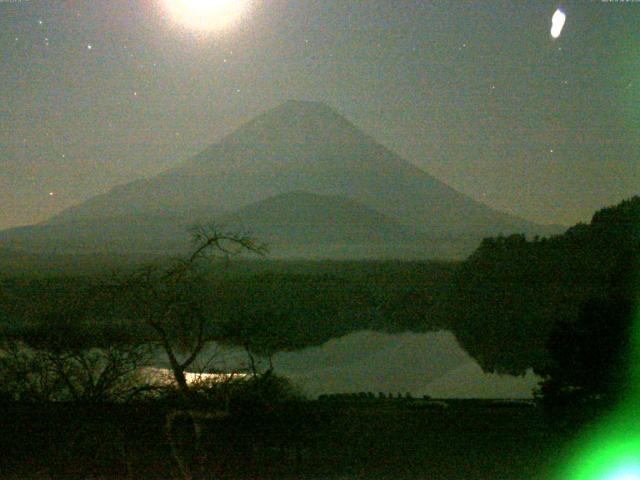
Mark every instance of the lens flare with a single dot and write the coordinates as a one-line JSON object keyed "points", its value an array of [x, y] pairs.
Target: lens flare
{"points": [[557, 23], [611, 451], [625, 473]]}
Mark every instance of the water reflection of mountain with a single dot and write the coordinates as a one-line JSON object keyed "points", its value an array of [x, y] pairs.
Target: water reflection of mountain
{"points": [[420, 363]]}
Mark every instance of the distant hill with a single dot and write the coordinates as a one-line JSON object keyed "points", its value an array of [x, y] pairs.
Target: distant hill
{"points": [[293, 225], [310, 218], [300, 224], [301, 147]]}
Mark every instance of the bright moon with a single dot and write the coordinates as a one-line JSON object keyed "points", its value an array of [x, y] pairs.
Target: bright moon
{"points": [[206, 15], [557, 23]]}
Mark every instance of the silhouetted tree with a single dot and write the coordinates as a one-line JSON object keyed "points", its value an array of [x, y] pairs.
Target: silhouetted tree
{"points": [[175, 304]]}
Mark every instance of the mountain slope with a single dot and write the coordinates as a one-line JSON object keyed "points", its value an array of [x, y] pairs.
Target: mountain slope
{"points": [[132, 234], [300, 224], [301, 217], [303, 146], [293, 224]]}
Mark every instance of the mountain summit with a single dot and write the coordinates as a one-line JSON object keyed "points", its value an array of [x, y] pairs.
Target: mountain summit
{"points": [[300, 147]]}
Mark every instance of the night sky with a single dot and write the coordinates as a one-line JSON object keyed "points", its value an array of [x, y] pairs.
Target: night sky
{"points": [[97, 93]]}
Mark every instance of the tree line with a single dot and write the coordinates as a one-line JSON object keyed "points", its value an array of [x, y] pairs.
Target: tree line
{"points": [[563, 305], [513, 305]]}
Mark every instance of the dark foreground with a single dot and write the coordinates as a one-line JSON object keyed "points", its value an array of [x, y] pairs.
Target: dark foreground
{"points": [[376, 440]]}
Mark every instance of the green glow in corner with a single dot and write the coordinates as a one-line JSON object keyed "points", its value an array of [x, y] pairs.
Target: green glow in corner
{"points": [[612, 453], [611, 450]]}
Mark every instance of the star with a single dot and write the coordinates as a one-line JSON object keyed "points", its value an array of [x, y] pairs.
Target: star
{"points": [[89, 47]]}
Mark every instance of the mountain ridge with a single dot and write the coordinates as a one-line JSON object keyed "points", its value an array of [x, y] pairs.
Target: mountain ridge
{"points": [[302, 146]]}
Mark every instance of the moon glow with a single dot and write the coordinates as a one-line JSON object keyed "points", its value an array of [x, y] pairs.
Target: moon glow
{"points": [[206, 15]]}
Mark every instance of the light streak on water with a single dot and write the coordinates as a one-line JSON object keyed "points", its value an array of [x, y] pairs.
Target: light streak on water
{"points": [[165, 377]]}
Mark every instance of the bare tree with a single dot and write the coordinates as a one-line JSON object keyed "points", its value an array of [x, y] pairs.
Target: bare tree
{"points": [[37, 372], [174, 303], [62, 349]]}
